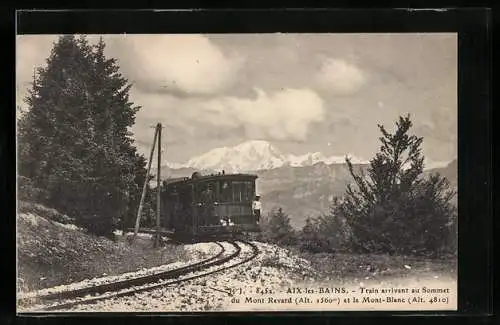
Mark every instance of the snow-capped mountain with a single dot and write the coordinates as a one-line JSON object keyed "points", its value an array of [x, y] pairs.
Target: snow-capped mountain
{"points": [[247, 156], [255, 155], [309, 159], [304, 160]]}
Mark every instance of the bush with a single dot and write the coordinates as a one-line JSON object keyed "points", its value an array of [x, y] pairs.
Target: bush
{"points": [[28, 192], [49, 214], [309, 237], [276, 228], [327, 233], [98, 226]]}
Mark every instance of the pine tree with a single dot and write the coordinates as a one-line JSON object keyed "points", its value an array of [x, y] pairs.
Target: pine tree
{"points": [[333, 231], [277, 228], [55, 133], [393, 208], [310, 237], [113, 114], [74, 141], [326, 233]]}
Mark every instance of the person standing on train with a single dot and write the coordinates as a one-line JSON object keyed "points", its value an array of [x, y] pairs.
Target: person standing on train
{"points": [[257, 207]]}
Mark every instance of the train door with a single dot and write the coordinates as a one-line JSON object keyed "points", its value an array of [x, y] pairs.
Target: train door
{"points": [[182, 212], [225, 198], [194, 208]]}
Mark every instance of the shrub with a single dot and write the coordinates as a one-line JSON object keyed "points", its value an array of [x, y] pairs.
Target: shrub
{"points": [[276, 228], [326, 233], [28, 192], [49, 214]]}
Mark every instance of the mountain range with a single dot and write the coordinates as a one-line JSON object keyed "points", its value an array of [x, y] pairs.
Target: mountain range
{"points": [[303, 185], [255, 155]]}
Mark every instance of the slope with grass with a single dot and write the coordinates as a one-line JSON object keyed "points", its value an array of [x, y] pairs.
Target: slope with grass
{"points": [[51, 252]]}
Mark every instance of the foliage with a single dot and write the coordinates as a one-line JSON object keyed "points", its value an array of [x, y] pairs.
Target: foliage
{"points": [[74, 141], [27, 190], [393, 209], [326, 233], [276, 228], [148, 216], [309, 236], [49, 214]]}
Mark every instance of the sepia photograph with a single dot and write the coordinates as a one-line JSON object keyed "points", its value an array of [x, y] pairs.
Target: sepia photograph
{"points": [[237, 172]]}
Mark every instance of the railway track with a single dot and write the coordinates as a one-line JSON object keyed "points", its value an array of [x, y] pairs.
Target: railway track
{"points": [[222, 261]]}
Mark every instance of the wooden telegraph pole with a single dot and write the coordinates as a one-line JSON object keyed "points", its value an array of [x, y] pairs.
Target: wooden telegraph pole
{"points": [[139, 211], [158, 188]]}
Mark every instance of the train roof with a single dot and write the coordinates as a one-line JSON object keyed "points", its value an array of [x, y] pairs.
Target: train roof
{"points": [[188, 180]]}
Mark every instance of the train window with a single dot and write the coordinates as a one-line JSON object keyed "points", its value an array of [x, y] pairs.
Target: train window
{"points": [[248, 193], [225, 191], [239, 191], [205, 191], [210, 192], [236, 192]]}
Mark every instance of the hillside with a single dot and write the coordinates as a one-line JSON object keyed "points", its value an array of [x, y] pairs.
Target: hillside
{"points": [[303, 191], [51, 253], [450, 172], [309, 191]]}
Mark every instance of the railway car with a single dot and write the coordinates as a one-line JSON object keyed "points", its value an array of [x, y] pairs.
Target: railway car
{"points": [[207, 206]]}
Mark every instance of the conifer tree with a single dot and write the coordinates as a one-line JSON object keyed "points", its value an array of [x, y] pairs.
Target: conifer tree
{"points": [[393, 208], [277, 228], [326, 233], [113, 114], [74, 141], [309, 236], [54, 135]]}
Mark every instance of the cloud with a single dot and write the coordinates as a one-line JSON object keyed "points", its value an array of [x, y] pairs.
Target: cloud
{"points": [[183, 65], [210, 103], [283, 115], [186, 64], [340, 76]]}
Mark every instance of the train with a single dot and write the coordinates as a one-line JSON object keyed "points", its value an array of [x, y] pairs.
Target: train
{"points": [[209, 206]]}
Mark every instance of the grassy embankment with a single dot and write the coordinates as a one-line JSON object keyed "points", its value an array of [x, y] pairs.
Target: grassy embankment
{"points": [[346, 267], [51, 253]]}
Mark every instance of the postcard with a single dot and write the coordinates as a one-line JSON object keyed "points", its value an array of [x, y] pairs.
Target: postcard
{"points": [[236, 172]]}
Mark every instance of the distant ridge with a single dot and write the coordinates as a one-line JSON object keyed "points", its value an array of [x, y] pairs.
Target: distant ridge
{"points": [[256, 155]]}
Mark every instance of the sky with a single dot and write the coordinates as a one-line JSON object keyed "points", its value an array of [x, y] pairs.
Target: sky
{"points": [[301, 92]]}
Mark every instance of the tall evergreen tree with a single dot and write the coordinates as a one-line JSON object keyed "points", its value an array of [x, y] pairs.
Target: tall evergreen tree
{"points": [[74, 140], [393, 208], [54, 134], [113, 114]]}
